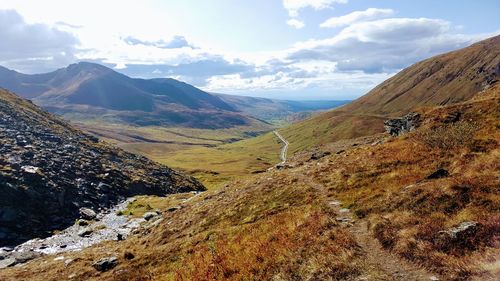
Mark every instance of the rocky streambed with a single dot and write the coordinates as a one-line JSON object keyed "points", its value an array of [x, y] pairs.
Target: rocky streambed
{"points": [[105, 226]]}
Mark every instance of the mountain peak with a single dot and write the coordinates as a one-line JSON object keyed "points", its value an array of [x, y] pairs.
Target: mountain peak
{"points": [[88, 67]]}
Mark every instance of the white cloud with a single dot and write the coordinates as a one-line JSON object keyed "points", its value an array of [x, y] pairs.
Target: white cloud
{"points": [[295, 23], [30, 47], [384, 46], [294, 6], [357, 16], [173, 43]]}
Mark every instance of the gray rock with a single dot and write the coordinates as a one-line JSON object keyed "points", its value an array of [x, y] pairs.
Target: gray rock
{"points": [[83, 222], [462, 230], [86, 232], [7, 262], [105, 264], [14, 258], [319, 154], [149, 215], [399, 126], [87, 214]]}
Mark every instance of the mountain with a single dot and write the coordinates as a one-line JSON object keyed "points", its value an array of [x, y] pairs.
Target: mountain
{"points": [[50, 170], [85, 90], [272, 110], [441, 80]]}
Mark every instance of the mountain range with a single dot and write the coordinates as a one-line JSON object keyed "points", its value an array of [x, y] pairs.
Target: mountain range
{"points": [[85, 90]]}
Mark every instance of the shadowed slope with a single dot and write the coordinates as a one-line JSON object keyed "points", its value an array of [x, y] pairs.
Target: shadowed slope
{"points": [[48, 170]]}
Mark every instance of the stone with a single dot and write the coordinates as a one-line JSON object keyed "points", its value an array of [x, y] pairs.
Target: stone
{"points": [[335, 203], [439, 173], [319, 154], [398, 126], [129, 255], [83, 222], [87, 214], [105, 264], [7, 262], [30, 169], [85, 232], [463, 230], [149, 215], [173, 209]]}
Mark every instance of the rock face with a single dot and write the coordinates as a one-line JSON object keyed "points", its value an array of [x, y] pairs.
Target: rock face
{"points": [[398, 126], [50, 172]]}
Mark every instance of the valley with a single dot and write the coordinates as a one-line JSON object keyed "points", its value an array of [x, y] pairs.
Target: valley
{"points": [[105, 176]]}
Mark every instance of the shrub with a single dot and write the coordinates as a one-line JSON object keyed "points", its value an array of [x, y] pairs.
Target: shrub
{"points": [[449, 136]]}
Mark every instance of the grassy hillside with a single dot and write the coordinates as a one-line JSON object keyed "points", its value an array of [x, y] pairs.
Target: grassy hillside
{"points": [[445, 79], [374, 211]]}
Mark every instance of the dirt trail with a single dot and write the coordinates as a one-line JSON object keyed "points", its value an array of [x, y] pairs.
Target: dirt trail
{"points": [[379, 264], [284, 149]]}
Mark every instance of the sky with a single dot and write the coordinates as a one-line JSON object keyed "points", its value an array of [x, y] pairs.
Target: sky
{"points": [[284, 49]]}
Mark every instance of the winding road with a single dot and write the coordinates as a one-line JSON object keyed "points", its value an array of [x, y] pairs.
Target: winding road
{"points": [[284, 149]]}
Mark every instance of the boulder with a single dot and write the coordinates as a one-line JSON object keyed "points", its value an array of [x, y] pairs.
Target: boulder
{"points": [[7, 262], [105, 264], [14, 258], [398, 126], [319, 154], [87, 214], [85, 232], [150, 215], [439, 173]]}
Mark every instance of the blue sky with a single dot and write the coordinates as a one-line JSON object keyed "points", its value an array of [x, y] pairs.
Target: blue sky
{"points": [[287, 49]]}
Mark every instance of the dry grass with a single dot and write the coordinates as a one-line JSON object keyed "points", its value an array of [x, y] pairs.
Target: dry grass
{"points": [[448, 136]]}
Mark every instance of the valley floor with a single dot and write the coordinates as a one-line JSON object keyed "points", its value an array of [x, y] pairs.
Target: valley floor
{"points": [[212, 156]]}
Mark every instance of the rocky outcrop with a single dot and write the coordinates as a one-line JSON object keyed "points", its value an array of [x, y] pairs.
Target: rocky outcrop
{"points": [[398, 126], [52, 174]]}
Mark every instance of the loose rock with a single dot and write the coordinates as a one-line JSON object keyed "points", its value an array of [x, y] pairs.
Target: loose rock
{"points": [[105, 264], [87, 214]]}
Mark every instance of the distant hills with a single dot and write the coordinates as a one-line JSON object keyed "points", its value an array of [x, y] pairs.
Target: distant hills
{"points": [[89, 91], [441, 80], [277, 110]]}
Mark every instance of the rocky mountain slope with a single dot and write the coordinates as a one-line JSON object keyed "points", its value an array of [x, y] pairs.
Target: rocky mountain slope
{"points": [[49, 171], [85, 90], [442, 80]]}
